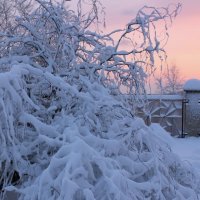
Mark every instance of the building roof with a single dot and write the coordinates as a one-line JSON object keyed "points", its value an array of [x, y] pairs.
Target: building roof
{"points": [[192, 85]]}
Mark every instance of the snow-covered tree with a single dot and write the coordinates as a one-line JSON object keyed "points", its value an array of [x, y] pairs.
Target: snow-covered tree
{"points": [[64, 133]]}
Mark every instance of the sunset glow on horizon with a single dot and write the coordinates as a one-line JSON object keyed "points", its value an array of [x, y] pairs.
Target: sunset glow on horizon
{"points": [[183, 47]]}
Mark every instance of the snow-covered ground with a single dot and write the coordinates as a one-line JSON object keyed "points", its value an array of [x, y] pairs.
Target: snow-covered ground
{"points": [[188, 148]]}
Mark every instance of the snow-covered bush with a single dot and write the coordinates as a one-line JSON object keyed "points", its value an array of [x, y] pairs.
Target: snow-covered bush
{"points": [[64, 133], [92, 149]]}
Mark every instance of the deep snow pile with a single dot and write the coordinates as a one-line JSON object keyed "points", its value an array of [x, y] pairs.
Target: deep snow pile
{"points": [[81, 144]]}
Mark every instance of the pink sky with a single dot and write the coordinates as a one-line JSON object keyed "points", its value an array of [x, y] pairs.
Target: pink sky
{"points": [[183, 47]]}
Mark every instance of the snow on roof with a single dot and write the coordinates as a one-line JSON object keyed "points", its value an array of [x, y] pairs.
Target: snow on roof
{"points": [[192, 85], [164, 97], [160, 96]]}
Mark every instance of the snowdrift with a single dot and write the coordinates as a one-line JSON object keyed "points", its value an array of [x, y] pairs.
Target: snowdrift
{"points": [[77, 142]]}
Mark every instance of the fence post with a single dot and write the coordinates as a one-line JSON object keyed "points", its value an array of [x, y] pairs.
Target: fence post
{"points": [[184, 101]]}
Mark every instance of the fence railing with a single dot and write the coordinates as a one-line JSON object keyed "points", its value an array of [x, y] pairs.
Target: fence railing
{"points": [[167, 110]]}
